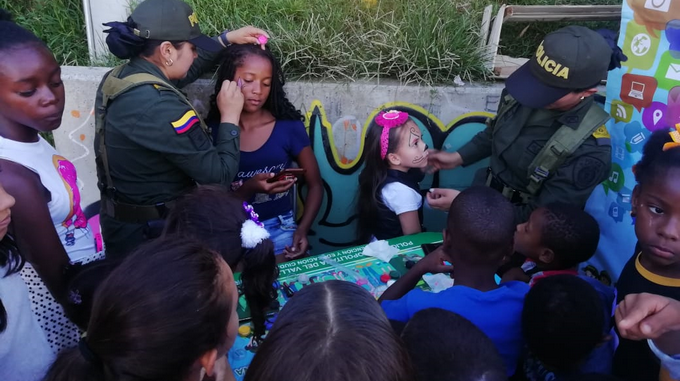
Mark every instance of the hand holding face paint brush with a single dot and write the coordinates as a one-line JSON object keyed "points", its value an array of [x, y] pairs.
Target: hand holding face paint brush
{"points": [[230, 101]]}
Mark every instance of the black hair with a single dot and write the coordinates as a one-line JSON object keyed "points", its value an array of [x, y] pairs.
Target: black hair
{"points": [[332, 331], [570, 232], [14, 262], [562, 320], [12, 35], [124, 43], [481, 222], [445, 346], [153, 317], [82, 287], [655, 160], [592, 377], [372, 178], [213, 215], [277, 103]]}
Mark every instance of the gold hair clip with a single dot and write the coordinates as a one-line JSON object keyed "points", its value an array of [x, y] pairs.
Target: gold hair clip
{"points": [[675, 135]]}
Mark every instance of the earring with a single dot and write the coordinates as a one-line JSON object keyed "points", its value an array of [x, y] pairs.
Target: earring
{"points": [[582, 98], [169, 62]]}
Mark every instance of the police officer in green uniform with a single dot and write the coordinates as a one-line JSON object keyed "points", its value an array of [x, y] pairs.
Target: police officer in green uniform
{"points": [[151, 144], [547, 142]]}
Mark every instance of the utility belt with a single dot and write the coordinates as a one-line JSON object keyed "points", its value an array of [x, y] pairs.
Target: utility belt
{"points": [[135, 213], [515, 196]]}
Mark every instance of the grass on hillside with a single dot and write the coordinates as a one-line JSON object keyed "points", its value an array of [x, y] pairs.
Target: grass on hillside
{"points": [[413, 41], [60, 23]]}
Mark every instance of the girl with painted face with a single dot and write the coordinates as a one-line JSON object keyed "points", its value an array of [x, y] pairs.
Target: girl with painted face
{"points": [[389, 195], [273, 136], [49, 226], [655, 266]]}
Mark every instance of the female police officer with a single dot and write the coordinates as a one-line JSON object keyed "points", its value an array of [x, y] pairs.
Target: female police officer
{"points": [[547, 142], [151, 144]]}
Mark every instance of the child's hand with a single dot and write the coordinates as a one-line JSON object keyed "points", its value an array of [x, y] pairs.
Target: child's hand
{"points": [[647, 316], [299, 246], [441, 198], [259, 184], [246, 35], [433, 263]]}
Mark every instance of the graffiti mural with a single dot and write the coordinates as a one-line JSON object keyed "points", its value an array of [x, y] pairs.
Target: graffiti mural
{"points": [[338, 148]]}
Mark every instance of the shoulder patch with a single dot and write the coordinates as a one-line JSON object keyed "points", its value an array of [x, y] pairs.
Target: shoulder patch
{"points": [[602, 136], [588, 172], [601, 132], [184, 124]]}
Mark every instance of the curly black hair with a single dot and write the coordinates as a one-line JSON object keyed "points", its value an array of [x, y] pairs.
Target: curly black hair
{"points": [[654, 159], [571, 233], [277, 103]]}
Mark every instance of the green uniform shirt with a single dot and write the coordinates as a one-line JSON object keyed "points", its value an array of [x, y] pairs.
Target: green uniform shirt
{"points": [[151, 159], [514, 140]]}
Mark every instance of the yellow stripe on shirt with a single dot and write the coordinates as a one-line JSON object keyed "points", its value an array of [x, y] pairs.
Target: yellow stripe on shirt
{"points": [[184, 119]]}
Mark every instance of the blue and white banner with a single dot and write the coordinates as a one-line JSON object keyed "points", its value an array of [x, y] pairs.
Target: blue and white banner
{"points": [[642, 96]]}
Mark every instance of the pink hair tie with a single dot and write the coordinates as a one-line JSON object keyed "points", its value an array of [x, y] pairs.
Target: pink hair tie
{"points": [[388, 120]]}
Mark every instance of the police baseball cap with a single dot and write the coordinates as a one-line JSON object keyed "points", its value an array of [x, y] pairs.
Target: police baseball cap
{"points": [[568, 59], [170, 20]]}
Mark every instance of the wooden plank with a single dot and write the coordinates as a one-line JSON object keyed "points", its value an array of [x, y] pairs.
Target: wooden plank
{"points": [[527, 13], [494, 39], [486, 23]]}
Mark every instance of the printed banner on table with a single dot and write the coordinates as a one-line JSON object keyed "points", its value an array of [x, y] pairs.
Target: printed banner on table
{"points": [[642, 96]]}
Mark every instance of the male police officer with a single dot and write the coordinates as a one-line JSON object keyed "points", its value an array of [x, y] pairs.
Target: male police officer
{"points": [[547, 142]]}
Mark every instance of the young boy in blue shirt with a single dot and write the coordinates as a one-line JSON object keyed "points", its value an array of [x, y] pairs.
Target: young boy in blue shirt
{"points": [[477, 239]]}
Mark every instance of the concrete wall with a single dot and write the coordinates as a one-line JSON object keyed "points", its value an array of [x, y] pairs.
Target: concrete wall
{"points": [[344, 104]]}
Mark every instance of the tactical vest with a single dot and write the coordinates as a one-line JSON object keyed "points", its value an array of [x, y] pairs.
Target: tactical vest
{"points": [[563, 143], [113, 87]]}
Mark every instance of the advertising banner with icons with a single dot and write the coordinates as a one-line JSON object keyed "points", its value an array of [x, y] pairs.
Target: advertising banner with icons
{"points": [[642, 96]]}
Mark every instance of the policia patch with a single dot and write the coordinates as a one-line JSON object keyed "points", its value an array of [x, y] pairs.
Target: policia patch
{"points": [[588, 172]]}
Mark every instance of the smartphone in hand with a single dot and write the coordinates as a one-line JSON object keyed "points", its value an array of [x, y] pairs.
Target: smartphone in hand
{"points": [[288, 173]]}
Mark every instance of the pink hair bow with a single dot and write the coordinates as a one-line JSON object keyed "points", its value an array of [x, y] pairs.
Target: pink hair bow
{"points": [[389, 120]]}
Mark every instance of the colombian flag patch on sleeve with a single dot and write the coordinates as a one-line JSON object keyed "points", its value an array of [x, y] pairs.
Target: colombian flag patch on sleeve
{"points": [[185, 123]]}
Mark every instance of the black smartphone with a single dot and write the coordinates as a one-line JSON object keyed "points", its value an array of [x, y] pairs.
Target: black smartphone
{"points": [[430, 247]]}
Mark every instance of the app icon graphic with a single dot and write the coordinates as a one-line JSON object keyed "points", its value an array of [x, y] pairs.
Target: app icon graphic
{"points": [[654, 116], [658, 5], [639, 46], [621, 112], [637, 90]]}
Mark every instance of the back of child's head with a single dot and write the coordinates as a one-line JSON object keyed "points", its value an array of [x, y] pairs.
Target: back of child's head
{"points": [[562, 321], [155, 315], [332, 331], [216, 217], [570, 232], [481, 224], [655, 159], [383, 138], [445, 346], [13, 36], [234, 57], [82, 288]]}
